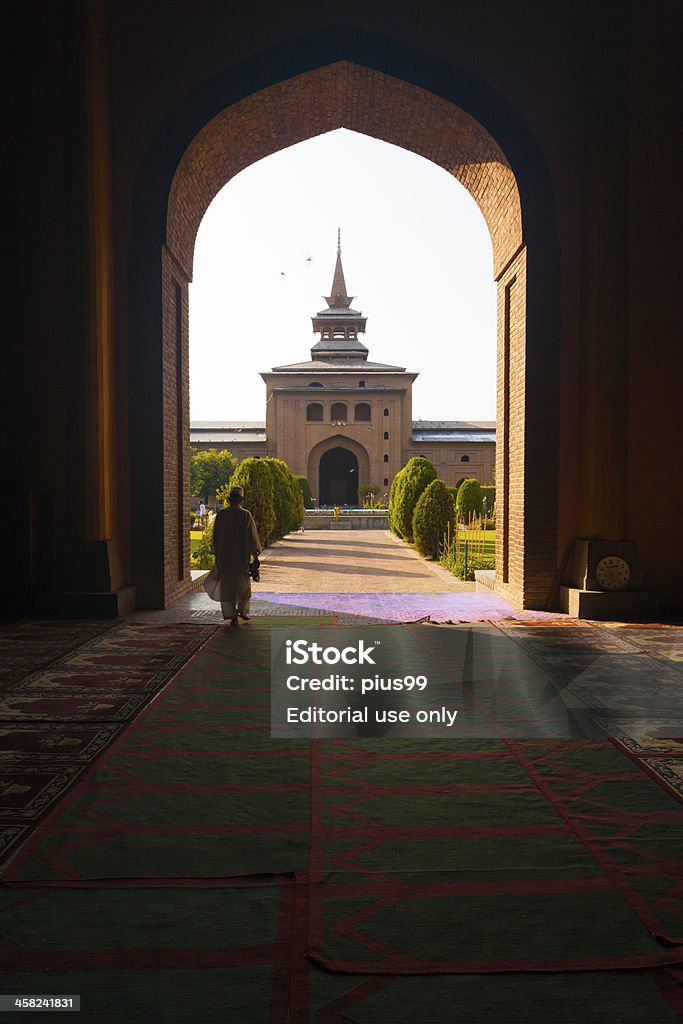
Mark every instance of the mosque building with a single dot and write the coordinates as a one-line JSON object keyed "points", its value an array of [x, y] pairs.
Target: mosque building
{"points": [[345, 422]]}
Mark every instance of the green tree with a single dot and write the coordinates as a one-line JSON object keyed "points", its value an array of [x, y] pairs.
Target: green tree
{"points": [[469, 500], [287, 498], [254, 476], [209, 472], [305, 489], [416, 475], [434, 512]]}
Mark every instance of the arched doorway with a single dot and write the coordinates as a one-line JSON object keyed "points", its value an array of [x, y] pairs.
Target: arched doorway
{"points": [[459, 125], [338, 481]]}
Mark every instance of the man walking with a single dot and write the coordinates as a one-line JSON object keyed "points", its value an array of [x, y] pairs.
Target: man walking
{"points": [[235, 540]]}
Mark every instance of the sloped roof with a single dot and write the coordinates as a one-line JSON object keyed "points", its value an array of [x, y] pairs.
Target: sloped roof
{"points": [[453, 424], [334, 366], [228, 425]]}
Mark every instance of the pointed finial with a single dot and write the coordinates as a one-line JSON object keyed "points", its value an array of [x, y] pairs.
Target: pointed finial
{"points": [[338, 241]]}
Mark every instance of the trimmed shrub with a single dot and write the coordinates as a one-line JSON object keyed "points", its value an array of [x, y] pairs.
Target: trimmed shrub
{"points": [[433, 513], [287, 498], [393, 494], [203, 557], [254, 476], [415, 476], [469, 498], [305, 489]]}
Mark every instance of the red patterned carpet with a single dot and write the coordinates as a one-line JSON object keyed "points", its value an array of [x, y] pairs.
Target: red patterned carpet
{"points": [[203, 870], [88, 682], [30, 645]]}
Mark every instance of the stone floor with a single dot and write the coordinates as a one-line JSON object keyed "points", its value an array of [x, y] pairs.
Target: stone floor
{"points": [[361, 576], [353, 561]]}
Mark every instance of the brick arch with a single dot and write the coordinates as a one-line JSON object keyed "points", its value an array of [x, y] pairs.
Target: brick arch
{"points": [[411, 100], [338, 441], [344, 95]]}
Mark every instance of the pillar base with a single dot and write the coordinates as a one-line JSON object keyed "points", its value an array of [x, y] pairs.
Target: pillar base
{"points": [[86, 566], [89, 583], [618, 606], [587, 554], [56, 604]]}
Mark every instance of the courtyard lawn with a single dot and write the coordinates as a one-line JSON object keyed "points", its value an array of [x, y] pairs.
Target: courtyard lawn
{"points": [[474, 536], [195, 537]]}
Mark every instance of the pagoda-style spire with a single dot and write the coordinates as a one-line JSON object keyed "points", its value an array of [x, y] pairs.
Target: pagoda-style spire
{"points": [[338, 299], [339, 325]]}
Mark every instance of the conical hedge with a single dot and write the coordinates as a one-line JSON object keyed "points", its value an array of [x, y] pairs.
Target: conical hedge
{"points": [[414, 478], [433, 514], [254, 476], [287, 499], [305, 489], [470, 498]]}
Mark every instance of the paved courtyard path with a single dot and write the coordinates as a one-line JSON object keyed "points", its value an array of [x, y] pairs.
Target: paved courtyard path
{"points": [[357, 575], [352, 561]]}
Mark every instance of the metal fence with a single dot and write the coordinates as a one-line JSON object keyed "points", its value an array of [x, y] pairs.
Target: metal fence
{"points": [[467, 546]]}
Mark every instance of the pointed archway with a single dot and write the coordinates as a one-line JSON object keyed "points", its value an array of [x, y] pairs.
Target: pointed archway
{"points": [[460, 127], [338, 477]]}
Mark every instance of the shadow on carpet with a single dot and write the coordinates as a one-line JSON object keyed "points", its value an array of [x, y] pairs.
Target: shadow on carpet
{"points": [[204, 870]]}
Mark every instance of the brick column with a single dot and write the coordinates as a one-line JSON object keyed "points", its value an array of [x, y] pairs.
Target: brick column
{"points": [[101, 462], [604, 347], [604, 375], [90, 576]]}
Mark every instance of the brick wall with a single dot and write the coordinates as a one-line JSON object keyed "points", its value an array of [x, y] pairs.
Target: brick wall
{"points": [[360, 99], [176, 428]]}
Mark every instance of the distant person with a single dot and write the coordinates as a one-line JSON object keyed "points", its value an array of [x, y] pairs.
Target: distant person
{"points": [[202, 509], [235, 540]]}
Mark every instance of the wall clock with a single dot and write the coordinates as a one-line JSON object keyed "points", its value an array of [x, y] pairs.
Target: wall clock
{"points": [[612, 573]]}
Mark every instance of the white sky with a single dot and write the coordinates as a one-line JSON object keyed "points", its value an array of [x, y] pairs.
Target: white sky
{"points": [[416, 254]]}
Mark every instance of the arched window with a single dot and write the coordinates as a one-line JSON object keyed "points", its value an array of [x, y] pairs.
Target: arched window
{"points": [[338, 411], [386, 481], [465, 458], [386, 412], [386, 435], [386, 458], [363, 414], [314, 412], [315, 384]]}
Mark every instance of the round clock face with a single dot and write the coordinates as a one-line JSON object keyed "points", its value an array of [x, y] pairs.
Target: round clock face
{"points": [[612, 573]]}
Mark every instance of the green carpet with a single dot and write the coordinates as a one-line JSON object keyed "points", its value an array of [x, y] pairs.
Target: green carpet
{"points": [[204, 871]]}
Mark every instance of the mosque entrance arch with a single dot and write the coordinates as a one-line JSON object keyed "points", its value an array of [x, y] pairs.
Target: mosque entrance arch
{"points": [[450, 120], [338, 467], [338, 477]]}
